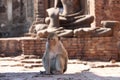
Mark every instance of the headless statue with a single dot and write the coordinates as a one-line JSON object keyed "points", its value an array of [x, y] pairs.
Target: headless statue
{"points": [[53, 19], [69, 6], [74, 14], [70, 20], [53, 25], [67, 9]]}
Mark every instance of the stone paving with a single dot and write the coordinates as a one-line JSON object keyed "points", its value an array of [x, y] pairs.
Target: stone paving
{"points": [[19, 68]]}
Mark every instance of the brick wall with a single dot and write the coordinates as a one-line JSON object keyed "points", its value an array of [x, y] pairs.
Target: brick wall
{"points": [[33, 46], [39, 11], [10, 47], [96, 48], [106, 10], [87, 48]]}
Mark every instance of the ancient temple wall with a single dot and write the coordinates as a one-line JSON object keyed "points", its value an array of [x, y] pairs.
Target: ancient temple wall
{"points": [[14, 12], [29, 4], [10, 10], [39, 11], [87, 48], [18, 14], [3, 14], [78, 48], [91, 8], [107, 10], [96, 48]]}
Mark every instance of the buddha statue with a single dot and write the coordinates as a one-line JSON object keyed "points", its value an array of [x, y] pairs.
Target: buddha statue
{"points": [[67, 20], [73, 14], [71, 19], [53, 25]]}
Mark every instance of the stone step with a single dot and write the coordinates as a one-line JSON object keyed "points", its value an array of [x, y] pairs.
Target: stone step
{"points": [[19, 64], [104, 65], [10, 63], [8, 59], [32, 65], [31, 61], [30, 57], [77, 62]]}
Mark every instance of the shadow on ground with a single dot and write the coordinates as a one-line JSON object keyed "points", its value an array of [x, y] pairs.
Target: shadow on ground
{"points": [[85, 75]]}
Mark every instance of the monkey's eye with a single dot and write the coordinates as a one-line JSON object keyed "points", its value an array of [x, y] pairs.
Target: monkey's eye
{"points": [[48, 38], [51, 39]]}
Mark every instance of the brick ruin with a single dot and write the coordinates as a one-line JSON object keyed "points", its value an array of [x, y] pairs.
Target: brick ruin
{"points": [[15, 17], [28, 13]]}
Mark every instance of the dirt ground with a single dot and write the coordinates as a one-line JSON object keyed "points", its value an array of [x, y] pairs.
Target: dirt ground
{"points": [[19, 69]]}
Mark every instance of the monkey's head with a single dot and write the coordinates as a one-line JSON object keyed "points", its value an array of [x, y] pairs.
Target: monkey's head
{"points": [[53, 39]]}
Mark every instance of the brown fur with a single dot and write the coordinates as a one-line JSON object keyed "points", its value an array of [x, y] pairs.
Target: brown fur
{"points": [[55, 57]]}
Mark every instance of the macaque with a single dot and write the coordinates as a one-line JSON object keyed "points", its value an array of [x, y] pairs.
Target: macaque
{"points": [[55, 57]]}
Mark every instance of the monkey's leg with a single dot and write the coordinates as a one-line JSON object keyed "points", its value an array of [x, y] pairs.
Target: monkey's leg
{"points": [[59, 65], [46, 64]]}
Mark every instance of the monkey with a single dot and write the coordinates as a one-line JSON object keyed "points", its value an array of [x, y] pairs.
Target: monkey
{"points": [[55, 57]]}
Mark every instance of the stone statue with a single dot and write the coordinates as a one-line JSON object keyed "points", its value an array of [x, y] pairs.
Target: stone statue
{"points": [[67, 6], [73, 15], [64, 24], [53, 25], [70, 20]]}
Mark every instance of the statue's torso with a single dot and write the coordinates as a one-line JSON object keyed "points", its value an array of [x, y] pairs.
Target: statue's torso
{"points": [[70, 6]]}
